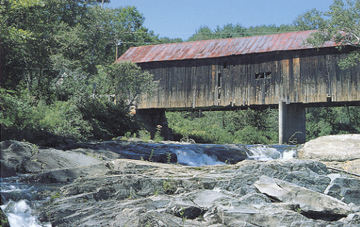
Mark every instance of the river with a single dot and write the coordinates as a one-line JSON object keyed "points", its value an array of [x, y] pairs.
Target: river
{"points": [[21, 199]]}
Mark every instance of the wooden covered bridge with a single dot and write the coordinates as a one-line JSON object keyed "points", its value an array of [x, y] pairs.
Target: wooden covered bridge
{"points": [[277, 70]]}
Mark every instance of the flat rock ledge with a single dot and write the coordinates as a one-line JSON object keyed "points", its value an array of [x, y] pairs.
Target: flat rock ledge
{"points": [[100, 188]]}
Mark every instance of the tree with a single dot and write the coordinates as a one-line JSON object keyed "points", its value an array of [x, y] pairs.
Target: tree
{"points": [[49, 53], [125, 80], [342, 25], [204, 33], [310, 20]]}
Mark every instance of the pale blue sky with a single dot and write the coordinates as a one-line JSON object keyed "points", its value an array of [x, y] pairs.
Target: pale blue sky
{"points": [[181, 18]]}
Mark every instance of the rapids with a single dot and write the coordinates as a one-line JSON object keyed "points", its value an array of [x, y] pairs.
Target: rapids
{"points": [[20, 200]]}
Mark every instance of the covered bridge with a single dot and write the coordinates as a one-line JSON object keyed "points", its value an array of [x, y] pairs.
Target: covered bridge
{"points": [[277, 70]]}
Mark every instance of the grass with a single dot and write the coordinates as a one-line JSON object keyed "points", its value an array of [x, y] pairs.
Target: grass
{"points": [[169, 186], [54, 196], [34, 149]]}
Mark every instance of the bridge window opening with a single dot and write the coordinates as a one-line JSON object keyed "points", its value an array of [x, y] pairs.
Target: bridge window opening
{"points": [[262, 75], [259, 76], [268, 75], [225, 65]]}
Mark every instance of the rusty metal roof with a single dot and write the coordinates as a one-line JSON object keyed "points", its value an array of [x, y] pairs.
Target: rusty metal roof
{"points": [[219, 47]]}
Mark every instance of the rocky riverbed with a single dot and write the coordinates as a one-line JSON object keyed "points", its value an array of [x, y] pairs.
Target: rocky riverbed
{"points": [[122, 183]]}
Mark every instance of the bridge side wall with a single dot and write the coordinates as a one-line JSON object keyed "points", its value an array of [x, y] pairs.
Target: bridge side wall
{"points": [[302, 76]]}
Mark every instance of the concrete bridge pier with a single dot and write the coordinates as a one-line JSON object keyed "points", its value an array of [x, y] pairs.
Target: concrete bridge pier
{"points": [[291, 123]]}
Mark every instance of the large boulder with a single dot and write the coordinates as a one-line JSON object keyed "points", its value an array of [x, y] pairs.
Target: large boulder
{"points": [[332, 148]]}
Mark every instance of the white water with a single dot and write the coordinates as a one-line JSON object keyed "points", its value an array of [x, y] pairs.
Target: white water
{"points": [[19, 213], [265, 153], [195, 156], [192, 158]]}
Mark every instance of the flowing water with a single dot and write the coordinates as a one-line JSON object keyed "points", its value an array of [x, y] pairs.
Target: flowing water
{"points": [[195, 156], [270, 152], [20, 199]]}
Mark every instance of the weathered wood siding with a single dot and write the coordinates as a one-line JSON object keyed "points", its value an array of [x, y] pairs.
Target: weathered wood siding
{"points": [[302, 76]]}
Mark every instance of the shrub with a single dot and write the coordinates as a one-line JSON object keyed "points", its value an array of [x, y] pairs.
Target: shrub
{"points": [[107, 119]]}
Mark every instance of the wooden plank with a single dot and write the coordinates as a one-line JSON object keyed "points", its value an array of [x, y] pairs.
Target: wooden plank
{"points": [[285, 80], [296, 76], [213, 84]]}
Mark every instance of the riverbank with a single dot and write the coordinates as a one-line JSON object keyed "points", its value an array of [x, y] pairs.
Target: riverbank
{"points": [[122, 183]]}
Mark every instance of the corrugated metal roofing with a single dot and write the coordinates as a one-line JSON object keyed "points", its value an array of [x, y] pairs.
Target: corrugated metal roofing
{"points": [[219, 47]]}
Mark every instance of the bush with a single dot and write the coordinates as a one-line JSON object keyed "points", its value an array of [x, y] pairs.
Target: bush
{"points": [[64, 119], [106, 119], [86, 119], [22, 116]]}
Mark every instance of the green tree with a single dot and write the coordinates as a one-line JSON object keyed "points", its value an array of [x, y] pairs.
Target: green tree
{"points": [[313, 19], [203, 33], [126, 81], [342, 26], [55, 46]]}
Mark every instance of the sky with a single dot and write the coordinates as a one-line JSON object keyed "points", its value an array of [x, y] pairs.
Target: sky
{"points": [[182, 18]]}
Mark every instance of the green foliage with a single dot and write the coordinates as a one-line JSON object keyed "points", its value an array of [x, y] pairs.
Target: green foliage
{"points": [[106, 119], [331, 121], [259, 127], [41, 35], [232, 31], [169, 186], [126, 80], [168, 157], [34, 149], [243, 126], [4, 222], [64, 119], [81, 120], [54, 196], [310, 20], [144, 135], [151, 155], [340, 24], [60, 118], [158, 137]]}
